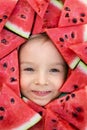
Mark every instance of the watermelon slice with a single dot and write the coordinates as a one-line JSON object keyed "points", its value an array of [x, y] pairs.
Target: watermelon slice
{"points": [[50, 18], [14, 113], [9, 71], [70, 57], [39, 6], [8, 42], [6, 8], [55, 122], [21, 19], [72, 35], [72, 108], [34, 106], [65, 37], [74, 13], [77, 79], [81, 50], [40, 110]]}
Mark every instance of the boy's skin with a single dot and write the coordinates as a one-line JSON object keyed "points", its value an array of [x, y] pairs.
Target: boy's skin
{"points": [[42, 70]]}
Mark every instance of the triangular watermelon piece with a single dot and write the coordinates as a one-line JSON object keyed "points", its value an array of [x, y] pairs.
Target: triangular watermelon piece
{"points": [[8, 42], [72, 108], [73, 13], [55, 122], [9, 71], [72, 35], [81, 50], [6, 8], [40, 110], [34, 106], [14, 113], [21, 19], [50, 18], [39, 6], [77, 79]]}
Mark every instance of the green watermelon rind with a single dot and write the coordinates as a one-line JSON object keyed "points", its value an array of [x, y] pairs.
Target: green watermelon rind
{"points": [[36, 118], [16, 29], [56, 3], [83, 67], [73, 64]]}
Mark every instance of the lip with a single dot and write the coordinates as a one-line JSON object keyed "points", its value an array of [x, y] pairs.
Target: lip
{"points": [[41, 93]]}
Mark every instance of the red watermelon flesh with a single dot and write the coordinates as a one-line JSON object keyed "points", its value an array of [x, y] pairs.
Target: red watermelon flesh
{"points": [[73, 13], [69, 56], [55, 122], [8, 42], [14, 113], [40, 110], [6, 8], [9, 71], [72, 108], [34, 106], [21, 19], [73, 34], [39, 6], [81, 50], [77, 79], [50, 19]]}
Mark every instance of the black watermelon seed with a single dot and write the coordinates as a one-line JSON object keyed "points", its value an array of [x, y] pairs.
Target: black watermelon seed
{"points": [[61, 100], [82, 14], [2, 109], [74, 114], [12, 100], [61, 39], [23, 16], [1, 20], [75, 86], [72, 35], [72, 95], [81, 20], [53, 120], [12, 69], [5, 16], [12, 79], [5, 65], [67, 98], [74, 20], [67, 8], [79, 109], [4, 41], [47, 11], [67, 15], [66, 36], [1, 117]]}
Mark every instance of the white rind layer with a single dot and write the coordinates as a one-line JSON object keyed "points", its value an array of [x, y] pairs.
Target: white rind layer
{"points": [[84, 2], [16, 29], [74, 62], [56, 3], [85, 33], [29, 123], [83, 67]]}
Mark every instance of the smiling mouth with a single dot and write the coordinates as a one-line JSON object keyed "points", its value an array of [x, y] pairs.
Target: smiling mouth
{"points": [[41, 93]]}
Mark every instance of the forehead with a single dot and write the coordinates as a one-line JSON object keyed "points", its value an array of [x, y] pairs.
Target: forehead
{"points": [[40, 46]]}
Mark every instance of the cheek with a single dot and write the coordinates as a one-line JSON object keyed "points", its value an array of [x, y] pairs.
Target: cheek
{"points": [[57, 81]]}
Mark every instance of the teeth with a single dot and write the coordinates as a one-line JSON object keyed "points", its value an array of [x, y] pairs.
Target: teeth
{"points": [[41, 93]]}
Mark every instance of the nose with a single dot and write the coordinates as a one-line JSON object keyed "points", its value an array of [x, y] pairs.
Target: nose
{"points": [[41, 79]]}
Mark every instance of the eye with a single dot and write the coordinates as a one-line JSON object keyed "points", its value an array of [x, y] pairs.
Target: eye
{"points": [[28, 69], [54, 70]]}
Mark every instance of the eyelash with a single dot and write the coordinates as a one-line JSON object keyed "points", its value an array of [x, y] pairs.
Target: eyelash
{"points": [[28, 69], [55, 70]]}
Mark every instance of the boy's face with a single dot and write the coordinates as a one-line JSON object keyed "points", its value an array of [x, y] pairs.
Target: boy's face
{"points": [[42, 71]]}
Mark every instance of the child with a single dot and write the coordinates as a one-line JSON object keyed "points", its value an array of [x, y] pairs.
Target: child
{"points": [[42, 70]]}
